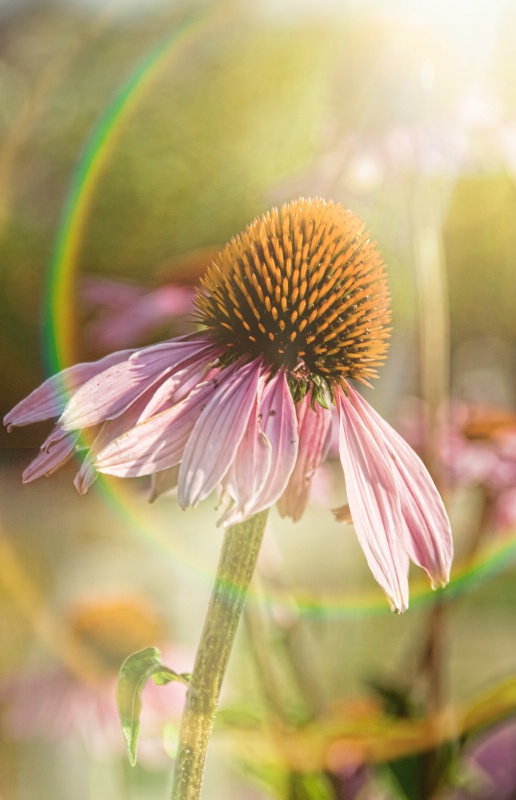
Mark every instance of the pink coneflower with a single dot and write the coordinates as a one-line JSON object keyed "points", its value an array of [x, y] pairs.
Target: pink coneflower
{"points": [[54, 704], [292, 310], [124, 312], [476, 448]]}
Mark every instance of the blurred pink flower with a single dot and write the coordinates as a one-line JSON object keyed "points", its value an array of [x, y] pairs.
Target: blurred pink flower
{"points": [[54, 704], [488, 766], [476, 446], [293, 309], [122, 313], [126, 314]]}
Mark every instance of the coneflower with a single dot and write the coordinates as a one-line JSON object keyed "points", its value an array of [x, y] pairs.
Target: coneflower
{"points": [[291, 310]]}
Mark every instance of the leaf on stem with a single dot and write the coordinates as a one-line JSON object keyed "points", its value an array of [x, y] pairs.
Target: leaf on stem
{"points": [[134, 674]]}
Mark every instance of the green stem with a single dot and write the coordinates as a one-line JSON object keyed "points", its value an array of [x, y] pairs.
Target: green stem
{"points": [[237, 562]]}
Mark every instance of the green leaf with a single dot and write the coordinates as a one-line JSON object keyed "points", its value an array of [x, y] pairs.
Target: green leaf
{"points": [[310, 786], [134, 674]]}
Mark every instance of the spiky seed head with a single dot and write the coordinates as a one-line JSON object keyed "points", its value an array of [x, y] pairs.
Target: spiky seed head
{"points": [[304, 287]]}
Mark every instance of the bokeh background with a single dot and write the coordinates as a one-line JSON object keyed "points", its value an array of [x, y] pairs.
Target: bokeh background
{"points": [[136, 137]]}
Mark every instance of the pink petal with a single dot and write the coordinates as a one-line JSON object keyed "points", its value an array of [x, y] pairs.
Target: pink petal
{"points": [[49, 399], [55, 452], [279, 424], [176, 388], [248, 472], [157, 443], [277, 413], [109, 394], [113, 429], [217, 433], [314, 424], [163, 482], [160, 356], [427, 531], [109, 431], [374, 503]]}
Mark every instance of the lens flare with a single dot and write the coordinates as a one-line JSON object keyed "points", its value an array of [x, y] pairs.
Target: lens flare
{"points": [[59, 337]]}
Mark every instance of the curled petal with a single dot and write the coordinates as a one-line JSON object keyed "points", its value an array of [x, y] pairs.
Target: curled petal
{"points": [[111, 392], [427, 531], [313, 424], [217, 433], [49, 399], [55, 452], [374, 503]]}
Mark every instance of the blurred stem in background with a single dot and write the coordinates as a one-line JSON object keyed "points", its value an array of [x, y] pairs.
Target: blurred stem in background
{"points": [[238, 559], [433, 312], [279, 638], [434, 365]]}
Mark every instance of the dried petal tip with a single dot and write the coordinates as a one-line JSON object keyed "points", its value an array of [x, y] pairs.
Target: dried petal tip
{"points": [[304, 288], [342, 514]]}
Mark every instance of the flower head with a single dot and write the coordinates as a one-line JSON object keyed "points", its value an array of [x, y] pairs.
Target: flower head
{"points": [[292, 310], [304, 289]]}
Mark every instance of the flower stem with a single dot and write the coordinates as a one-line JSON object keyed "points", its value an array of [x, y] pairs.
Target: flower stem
{"points": [[236, 566]]}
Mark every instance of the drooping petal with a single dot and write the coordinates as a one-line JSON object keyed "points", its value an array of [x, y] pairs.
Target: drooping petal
{"points": [[217, 433], [159, 355], [427, 531], [248, 472], [163, 482], [176, 387], [49, 399], [156, 443], [109, 431], [109, 394], [279, 424], [54, 453], [313, 424], [374, 503], [277, 415]]}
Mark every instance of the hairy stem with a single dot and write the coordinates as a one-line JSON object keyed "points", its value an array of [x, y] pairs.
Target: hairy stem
{"points": [[237, 562]]}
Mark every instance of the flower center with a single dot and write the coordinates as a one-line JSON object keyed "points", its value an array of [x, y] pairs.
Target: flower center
{"points": [[305, 288]]}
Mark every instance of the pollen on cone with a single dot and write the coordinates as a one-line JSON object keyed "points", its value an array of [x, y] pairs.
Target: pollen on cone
{"points": [[304, 287]]}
